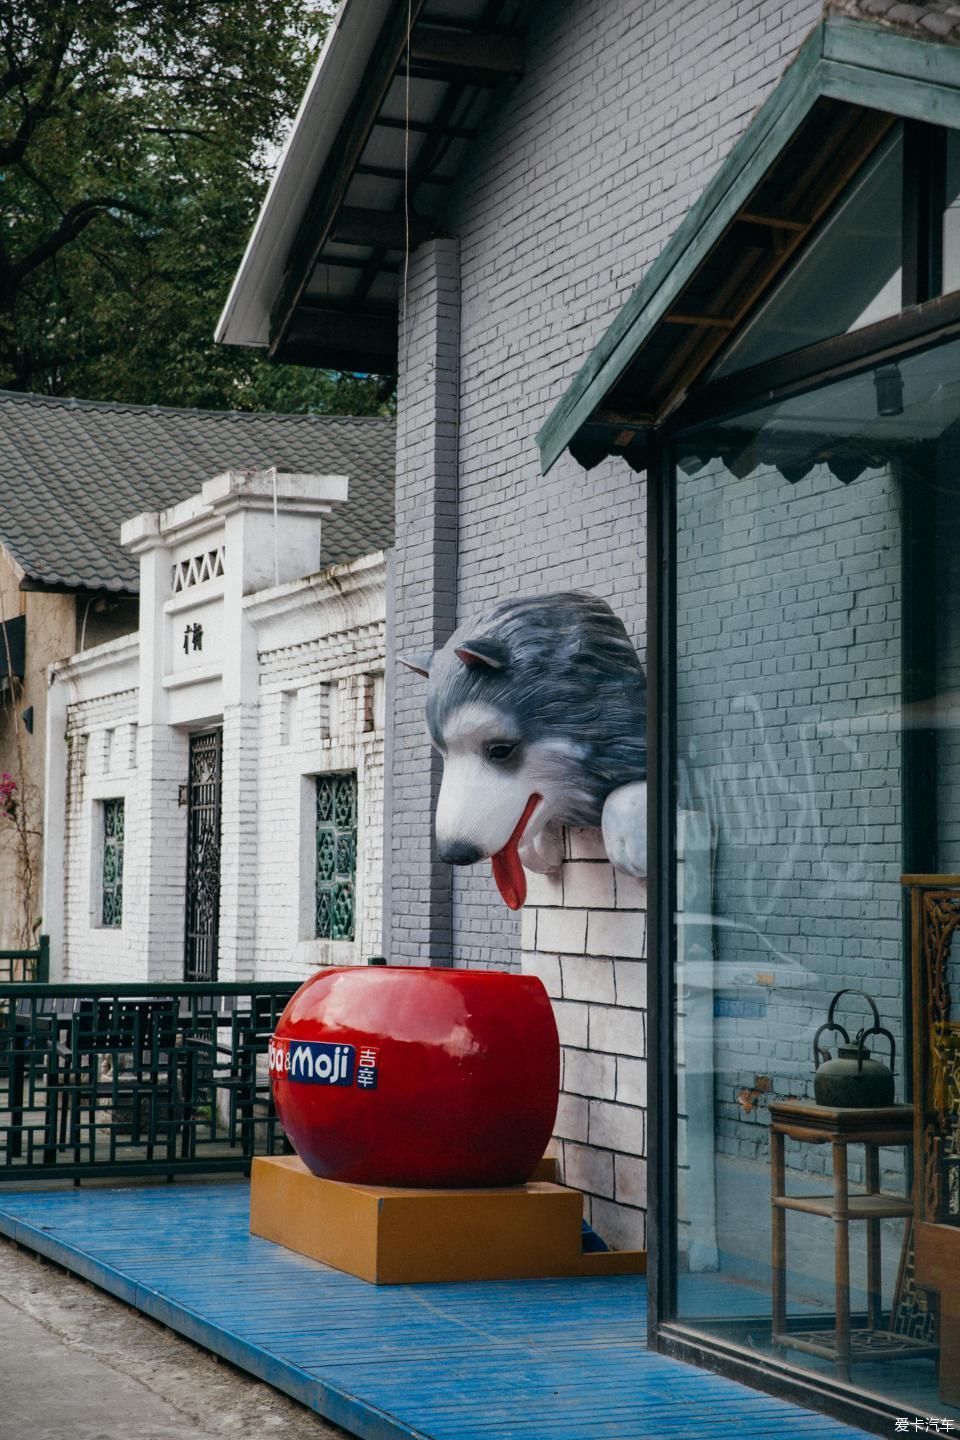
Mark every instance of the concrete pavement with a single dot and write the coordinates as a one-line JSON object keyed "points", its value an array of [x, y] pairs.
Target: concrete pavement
{"points": [[75, 1364]]}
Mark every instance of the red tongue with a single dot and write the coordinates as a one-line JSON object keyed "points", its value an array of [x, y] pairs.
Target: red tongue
{"points": [[507, 870], [508, 873]]}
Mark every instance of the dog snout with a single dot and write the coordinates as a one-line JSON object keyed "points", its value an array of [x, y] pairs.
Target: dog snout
{"points": [[458, 852]]}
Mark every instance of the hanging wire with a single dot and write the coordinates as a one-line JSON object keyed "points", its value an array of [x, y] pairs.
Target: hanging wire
{"points": [[406, 178], [402, 377]]}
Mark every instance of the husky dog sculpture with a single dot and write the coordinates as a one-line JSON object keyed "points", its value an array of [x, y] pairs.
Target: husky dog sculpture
{"points": [[538, 708]]}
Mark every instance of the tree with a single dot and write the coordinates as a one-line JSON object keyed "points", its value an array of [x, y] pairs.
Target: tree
{"points": [[136, 140]]}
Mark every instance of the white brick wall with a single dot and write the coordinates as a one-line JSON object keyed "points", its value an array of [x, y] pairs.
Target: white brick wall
{"points": [[102, 757], [590, 952], [110, 757], [286, 798]]}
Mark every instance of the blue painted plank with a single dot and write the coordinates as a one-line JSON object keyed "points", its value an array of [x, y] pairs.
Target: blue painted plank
{"points": [[510, 1360]]}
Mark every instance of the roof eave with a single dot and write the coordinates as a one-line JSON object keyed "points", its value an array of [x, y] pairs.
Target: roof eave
{"points": [[36, 584], [245, 319]]}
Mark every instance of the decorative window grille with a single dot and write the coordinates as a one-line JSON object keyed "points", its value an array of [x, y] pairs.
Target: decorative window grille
{"points": [[112, 875], [197, 569], [336, 855]]}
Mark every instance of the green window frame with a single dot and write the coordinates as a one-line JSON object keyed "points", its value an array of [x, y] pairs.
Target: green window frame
{"points": [[336, 855], [111, 868]]}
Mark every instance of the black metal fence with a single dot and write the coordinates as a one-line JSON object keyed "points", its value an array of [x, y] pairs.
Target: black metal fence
{"points": [[17, 965], [136, 1079]]}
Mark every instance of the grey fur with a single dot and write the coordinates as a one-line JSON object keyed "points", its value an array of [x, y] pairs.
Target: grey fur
{"points": [[569, 675]]}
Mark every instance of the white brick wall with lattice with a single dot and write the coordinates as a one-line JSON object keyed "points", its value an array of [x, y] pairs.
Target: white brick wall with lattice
{"points": [[320, 714], [316, 709], [102, 753]]}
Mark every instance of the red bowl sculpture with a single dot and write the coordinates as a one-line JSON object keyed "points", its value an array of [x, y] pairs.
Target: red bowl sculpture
{"points": [[396, 1075]]}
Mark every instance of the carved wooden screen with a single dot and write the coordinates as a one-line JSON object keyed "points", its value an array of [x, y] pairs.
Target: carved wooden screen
{"points": [[935, 918]]}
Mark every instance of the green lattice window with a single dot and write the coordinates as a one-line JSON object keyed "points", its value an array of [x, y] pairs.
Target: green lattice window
{"points": [[112, 873], [336, 855]]}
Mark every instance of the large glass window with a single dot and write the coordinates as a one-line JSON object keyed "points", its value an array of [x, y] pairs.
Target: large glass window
{"points": [[818, 758]]}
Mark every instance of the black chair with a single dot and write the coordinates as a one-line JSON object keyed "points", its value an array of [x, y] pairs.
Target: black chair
{"points": [[121, 1076]]}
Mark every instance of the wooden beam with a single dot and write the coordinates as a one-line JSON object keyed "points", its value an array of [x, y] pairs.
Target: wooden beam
{"points": [[773, 222], [710, 322], [390, 172], [343, 262], [431, 149], [636, 418], [423, 127], [331, 185], [496, 56], [885, 52], [378, 228], [338, 339], [838, 158]]}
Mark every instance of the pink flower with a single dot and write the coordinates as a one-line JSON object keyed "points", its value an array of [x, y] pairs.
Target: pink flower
{"points": [[8, 797]]}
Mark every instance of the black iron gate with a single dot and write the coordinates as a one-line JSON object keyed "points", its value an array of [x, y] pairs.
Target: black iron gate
{"points": [[203, 857]]}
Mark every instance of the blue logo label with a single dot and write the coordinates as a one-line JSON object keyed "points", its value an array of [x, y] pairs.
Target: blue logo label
{"points": [[314, 1062]]}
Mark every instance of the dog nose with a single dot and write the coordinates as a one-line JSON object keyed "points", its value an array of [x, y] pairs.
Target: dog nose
{"points": [[458, 852]]}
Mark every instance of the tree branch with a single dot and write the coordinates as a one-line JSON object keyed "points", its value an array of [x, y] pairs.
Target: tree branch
{"points": [[15, 75], [34, 114], [178, 130], [75, 220]]}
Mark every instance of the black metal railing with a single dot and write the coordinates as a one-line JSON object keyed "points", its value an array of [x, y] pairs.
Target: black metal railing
{"points": [[136, 1079], [26, 965]]}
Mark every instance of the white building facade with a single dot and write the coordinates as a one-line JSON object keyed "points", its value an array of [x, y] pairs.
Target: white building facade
{"points": [[214, 798]]}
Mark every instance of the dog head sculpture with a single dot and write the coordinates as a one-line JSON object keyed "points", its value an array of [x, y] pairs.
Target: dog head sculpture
{"points": [[538, 708]]}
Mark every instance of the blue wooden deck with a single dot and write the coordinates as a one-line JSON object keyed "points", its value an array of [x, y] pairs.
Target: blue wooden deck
{"points": [[524, 1360]]}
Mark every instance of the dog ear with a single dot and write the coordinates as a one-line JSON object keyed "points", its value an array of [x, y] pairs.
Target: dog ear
{"points": [[483, 652], [419, 664]]}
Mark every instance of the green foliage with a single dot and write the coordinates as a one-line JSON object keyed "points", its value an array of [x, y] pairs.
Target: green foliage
{"points": [[136, 140]]}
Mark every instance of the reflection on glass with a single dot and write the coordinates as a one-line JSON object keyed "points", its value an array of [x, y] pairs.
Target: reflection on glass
{"points": [[818, 670], [951, 216], [848, 276]]}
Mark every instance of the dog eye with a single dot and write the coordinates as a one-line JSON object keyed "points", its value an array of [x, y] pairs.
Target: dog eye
{"points": [[501, 750]]}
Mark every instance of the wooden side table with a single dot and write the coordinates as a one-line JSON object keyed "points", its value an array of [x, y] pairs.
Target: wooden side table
{"points": [[840, 1128]]}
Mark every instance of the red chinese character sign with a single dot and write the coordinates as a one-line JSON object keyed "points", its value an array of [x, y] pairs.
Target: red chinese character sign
{"points": [[538, 708], [388, 1075]]}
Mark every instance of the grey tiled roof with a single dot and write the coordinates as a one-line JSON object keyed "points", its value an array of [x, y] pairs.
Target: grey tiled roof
{"points": [[71, 471], [935, 20]]}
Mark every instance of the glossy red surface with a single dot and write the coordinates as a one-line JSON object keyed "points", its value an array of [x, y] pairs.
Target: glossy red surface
{"points": [[467, 1075]]}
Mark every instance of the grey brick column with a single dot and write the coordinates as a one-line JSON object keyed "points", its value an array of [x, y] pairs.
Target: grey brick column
{"points": [[419, 889]]}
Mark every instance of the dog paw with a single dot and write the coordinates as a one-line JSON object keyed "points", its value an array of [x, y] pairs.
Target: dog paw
{"points": [[544, 852], [624, 826]]}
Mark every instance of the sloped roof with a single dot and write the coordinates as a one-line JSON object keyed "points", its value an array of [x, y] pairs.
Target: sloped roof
{"points": [[71, 471], [398, 97], [935, 20]]}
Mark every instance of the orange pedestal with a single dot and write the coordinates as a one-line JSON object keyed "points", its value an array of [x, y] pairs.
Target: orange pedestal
{"points": [[401, 1237]]}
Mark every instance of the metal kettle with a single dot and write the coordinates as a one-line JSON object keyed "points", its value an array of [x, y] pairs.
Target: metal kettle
{"points": [[853, 1079]]}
